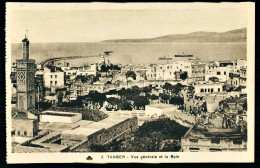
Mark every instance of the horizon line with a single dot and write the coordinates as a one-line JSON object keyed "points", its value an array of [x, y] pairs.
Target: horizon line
{"points": [[147, 38]]}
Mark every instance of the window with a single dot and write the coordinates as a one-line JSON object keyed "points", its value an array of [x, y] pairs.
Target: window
{"points": [[218, 89], [55, 82], [170, 73], [201, 90], [218, 73], [205, 90], [18, 133], [51, 76], [55, 76], [212, 90], [215, 150], [51, 82], [208, 89], [25, 133], [167, 67], [147, 75], [160, 67], [224, 72], [237, 141], [154, 75]]}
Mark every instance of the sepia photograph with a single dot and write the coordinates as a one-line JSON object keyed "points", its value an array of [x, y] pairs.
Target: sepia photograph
{"points": [[130, 82]]}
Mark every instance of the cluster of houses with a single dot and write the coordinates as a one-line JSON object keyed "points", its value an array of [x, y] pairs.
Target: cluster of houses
{"points": [[211, 79], [218, 91]]}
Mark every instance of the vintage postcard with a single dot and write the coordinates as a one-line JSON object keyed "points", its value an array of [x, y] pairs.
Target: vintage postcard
{"points": [[130, 82]]}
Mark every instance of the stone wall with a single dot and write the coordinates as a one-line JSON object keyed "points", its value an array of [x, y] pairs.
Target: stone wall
{"points": [[105, 136]]}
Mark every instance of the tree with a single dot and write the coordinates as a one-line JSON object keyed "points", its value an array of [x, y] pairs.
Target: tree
{"points": [[125, 105], [147, 89], [60, 97], [154, 97], [177, 100], [122, 93], [167, 86], [184, 75], [130, 74], [165, 98], [96, 98], [140, 102], [148, 95], [84, 79], [135, 90], [176, 88], [114, 102]]}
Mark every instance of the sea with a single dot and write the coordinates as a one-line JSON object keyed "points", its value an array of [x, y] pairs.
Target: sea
{"points": [[130, 53]]}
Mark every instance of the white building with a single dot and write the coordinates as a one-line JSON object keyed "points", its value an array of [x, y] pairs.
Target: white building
{"points": [[222, 73], [60, 117], [89, 70], [241, 63], [165, 72], [243, 77], [151, 72], [54, 77], [183, 66], [208, 88], [168, 71]]}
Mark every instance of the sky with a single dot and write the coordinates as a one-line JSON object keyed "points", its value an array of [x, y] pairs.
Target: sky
{"points": [[85, 23]]}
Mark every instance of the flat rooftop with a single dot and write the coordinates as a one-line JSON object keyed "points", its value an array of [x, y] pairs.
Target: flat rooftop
{"points": [[90, 128], [81, 131], [63, 126]]}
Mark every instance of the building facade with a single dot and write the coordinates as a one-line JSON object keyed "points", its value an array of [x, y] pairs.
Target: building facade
{"points": [[54, 78], [208, 88], [25, 127]]}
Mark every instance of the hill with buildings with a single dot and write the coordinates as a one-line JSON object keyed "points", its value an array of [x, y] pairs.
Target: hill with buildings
{"points": [[233, 36]]}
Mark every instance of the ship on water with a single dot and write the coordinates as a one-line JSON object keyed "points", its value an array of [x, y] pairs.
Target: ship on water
{"points": [[183, 55]]}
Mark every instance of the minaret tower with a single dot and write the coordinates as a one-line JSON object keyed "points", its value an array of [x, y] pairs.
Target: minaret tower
{"points": [[25, 79]]}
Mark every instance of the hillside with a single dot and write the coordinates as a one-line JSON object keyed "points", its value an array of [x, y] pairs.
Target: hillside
{"points": [[233, 36]]}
